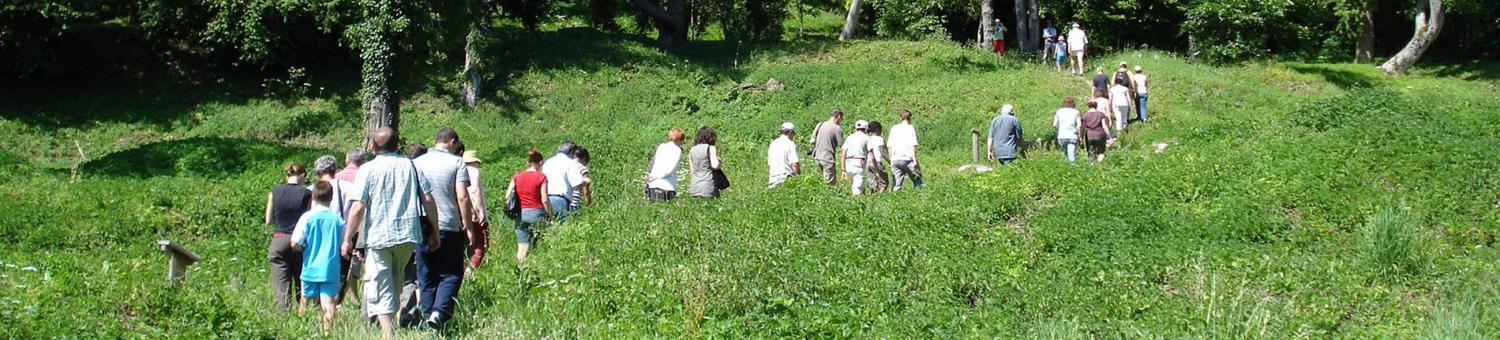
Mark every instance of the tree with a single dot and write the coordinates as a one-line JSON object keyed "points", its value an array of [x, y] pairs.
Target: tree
{"points": [[376, 37], [671, 20], [850, 21], [474, 45], [986, 22], [1024, 26], [1429, 22]]}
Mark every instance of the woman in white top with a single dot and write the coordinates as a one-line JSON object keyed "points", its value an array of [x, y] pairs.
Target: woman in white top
{"points": [[661, 178], [1120, 102], [1140, 93], [1067, 120]]}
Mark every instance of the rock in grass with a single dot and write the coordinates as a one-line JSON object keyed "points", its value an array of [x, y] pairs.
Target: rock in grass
{"points": [[1161, 147], [978, 168]]}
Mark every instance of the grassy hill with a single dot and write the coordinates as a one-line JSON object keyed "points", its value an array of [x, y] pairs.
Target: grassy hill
{"points": [[1260, 219]]}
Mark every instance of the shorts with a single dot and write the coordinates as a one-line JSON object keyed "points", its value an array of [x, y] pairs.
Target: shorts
{"points": [[320, 289], [1076, 53], [1062, 58]]}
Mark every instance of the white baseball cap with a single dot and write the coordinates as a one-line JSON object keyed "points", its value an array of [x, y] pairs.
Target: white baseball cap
{"points": [[1137, 68], [787, 126], [861, 125]]}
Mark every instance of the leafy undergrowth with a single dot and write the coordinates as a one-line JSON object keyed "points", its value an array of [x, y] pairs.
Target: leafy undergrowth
{"points": [[1254, 221]]}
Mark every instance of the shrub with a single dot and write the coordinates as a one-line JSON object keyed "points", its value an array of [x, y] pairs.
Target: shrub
{"points": [[1389, 243]]}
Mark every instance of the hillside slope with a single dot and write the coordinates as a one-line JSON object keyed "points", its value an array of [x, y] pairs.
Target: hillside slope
{"points": [[1252, 223]]}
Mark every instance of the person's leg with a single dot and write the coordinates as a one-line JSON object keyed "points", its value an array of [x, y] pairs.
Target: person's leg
{"points": [[559, 207], [481, 244], [330, 310], [382, 286], [916, 175], [450, 277], [427, 277], [280, 255], [829, 171], [307, 294], [1140, 111], [410, 298]]}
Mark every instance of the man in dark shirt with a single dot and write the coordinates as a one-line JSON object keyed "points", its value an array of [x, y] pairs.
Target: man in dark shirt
{"points": [[1101, 81]]}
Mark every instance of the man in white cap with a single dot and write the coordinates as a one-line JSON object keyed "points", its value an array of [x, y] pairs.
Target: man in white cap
{"points": [[854, 153], [782, 156], [1004, 136], [1077, 42]]}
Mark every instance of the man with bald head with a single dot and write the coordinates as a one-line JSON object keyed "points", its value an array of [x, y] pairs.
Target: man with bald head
{"points": [[389, 196]]}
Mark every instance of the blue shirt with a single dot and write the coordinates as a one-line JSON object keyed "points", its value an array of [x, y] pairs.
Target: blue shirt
{"points": [[391, 189], [320, 231], [1006, 131]]}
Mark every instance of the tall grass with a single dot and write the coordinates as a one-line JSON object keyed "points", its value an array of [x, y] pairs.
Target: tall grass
{"points": [[1390, 242]]}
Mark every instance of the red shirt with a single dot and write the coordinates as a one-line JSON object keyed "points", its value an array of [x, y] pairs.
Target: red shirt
{"points": [[347, 174], [529, 188]]}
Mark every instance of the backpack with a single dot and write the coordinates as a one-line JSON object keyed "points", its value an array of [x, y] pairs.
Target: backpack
{"points": [[513, 206]]}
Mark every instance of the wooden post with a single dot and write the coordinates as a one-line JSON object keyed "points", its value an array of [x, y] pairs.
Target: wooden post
{"points": [[180, 258], [974, 145]]}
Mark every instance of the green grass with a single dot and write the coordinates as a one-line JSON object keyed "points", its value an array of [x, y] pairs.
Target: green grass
{"points": [[1248, 226]]}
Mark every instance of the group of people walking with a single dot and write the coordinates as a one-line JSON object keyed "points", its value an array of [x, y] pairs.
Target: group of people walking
{"points": [[411, 227], [406, 228]]}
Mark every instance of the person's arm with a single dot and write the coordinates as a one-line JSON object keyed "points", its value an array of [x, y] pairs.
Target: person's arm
{"points": [[299, 233], [713, 158], [481, 207], [586, 192], [989, 146], [1079, 130], [844, 173], [465, 208], [269, 204], [351, 232], [433, 243], [657, 171]]}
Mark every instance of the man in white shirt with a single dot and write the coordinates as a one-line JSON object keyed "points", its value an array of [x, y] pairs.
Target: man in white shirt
{"points": [[782, 156], [1077, 42], [564, 175], [854, 155], [876, 159], [661, 178], [902, 144]]}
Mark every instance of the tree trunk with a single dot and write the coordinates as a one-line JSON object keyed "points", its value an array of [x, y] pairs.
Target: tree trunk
{"points": [[1364, 47], [986, 22], [377, 48], [1023, 27], [473, 72], [1429, 22], [1033, 22], [671, 21], [850, 21]]}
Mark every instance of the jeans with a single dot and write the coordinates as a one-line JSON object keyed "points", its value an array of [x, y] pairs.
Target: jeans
{"points": [[440, 273], [1140, 111], [286, 270], [530, 218], [1069, 148], [559, 207], [904, 169]]}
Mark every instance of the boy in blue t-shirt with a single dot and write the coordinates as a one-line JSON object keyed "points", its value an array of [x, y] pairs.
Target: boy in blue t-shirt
{"points": [[319, 236]]}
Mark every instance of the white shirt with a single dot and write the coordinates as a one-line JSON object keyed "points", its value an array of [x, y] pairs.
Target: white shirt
{"points": [[563, 174], [874, 145], [902, 142], [1140, 82], [856, 146], [1076, 39], [780, 157], [664, 167], [1119, 95], [1066, 121], [340, 202]]}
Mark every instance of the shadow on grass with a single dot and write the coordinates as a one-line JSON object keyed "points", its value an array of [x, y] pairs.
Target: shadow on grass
{"points": [[1469, 70], [1341, 75], [199, 157], [589, 50]]}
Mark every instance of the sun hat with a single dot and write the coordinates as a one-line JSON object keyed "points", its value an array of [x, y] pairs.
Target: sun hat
{"points": [[1137, 68], [470, 156], [787, 126], [1122, 63]]}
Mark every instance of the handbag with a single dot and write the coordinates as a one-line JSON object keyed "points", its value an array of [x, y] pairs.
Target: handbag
{"points": [[513, 206], [721, 181]]}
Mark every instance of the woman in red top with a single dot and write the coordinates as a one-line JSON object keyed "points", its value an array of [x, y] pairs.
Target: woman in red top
{"points": [[530, 188]]}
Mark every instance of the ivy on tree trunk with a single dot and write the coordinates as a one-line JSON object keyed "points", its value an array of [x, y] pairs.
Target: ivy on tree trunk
{"points": [[376, 38], [671, 20]]}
